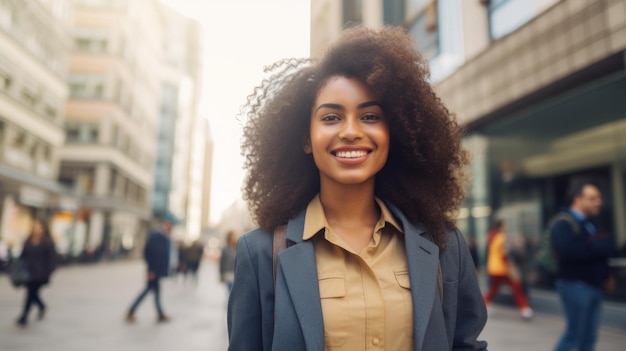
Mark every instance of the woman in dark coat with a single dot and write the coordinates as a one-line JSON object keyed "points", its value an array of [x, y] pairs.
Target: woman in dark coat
{"points": [[40, 257]]}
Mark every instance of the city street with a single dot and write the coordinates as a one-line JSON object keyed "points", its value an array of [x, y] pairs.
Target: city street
{"points": [[87, 305]]}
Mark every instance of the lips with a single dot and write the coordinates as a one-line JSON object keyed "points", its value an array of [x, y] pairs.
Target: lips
{"points": [[351, 153]]}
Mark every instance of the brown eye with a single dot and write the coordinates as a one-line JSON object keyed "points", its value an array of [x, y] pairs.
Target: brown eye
{"points": [[370, 117], [330, 118]]}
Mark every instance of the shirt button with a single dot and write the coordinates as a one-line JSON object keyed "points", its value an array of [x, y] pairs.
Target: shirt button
{"points": [[375, 341]]}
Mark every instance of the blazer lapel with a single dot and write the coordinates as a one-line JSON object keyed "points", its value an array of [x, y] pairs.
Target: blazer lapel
{"points": [[423, 260], [297, 263]]}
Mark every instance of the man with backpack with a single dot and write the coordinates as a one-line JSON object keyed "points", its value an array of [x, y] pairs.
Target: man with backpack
{"points": [[582, 253]]}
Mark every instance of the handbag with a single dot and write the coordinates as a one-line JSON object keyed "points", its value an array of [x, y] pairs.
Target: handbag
{"points": [[20, 275]]}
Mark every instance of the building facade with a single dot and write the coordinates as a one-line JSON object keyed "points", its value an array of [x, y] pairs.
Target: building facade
{"points": [[99, 129], [34, 47], [111, 120], [540, 88], [183, 133]]}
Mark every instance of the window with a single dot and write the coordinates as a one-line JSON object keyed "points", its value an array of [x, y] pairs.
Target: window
{"points": [[93, 45], [78, 177], [112, 181], [77, 89], [352, 11], [505, 16], [29, 98], [47, 152], [20, 139], [50, 112], [33, 150], [93, 134], [86, 86], [72, 132], [81, 132], [98, 91], [82, 44], [393, 12], [5, 81], [423, 26]]}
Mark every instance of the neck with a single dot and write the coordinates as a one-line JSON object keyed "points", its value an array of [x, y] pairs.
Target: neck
{"points": [[579, 210], [347, 206]]}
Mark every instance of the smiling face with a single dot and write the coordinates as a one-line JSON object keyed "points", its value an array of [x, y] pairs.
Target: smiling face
{"points": [[349, 137]]}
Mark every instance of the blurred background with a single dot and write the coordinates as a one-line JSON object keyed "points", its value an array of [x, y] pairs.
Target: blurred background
{"points": [[116, 112]]}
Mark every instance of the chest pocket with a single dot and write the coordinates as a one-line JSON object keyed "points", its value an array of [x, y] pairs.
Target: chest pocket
{"points": [[406, 314], [334, 310]]}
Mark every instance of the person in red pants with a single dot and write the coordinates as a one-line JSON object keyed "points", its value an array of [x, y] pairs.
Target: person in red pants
{"points": [[500, 271]]}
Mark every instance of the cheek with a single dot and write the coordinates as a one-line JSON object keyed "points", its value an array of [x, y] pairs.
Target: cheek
{"points": [[383, 138]]}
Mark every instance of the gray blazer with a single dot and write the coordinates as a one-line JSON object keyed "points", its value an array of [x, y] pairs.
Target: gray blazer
{"points": [[293, 320]]}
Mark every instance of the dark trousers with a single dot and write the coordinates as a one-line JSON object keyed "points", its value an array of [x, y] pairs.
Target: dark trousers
{"points": [[582, 304], [32, 296], [154, 286]]}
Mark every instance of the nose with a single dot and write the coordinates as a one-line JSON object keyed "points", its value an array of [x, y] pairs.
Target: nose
{"points": [[351, 129]]}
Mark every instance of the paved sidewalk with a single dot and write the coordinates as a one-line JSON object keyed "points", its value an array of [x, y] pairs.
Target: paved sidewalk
{"points": [[505, 330], [87, 305]]}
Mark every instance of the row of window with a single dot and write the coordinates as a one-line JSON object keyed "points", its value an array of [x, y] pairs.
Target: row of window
{"points": [[421, 19], [81, 178], [27, 93], [93, 87], [25, 151], [43, 39], [89, 133]]}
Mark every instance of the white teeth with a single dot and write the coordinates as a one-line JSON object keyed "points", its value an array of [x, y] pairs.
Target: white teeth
{"points": [[351, 154]]}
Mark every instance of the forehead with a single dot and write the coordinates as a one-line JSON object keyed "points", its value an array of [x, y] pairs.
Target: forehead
{"points": [[590, 190], [339, 87]]}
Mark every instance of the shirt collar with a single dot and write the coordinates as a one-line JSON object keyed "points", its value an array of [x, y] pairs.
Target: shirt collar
{"points": [[579, 216], [315, 219]]}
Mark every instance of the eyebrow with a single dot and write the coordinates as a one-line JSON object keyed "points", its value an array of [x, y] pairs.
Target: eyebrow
{"points": [[340, 107]]}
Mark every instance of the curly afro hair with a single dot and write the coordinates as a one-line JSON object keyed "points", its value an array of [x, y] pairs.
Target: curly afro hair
{"points": [[425, 172]]}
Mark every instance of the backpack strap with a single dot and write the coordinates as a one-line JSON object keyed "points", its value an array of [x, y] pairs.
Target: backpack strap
{"points": [[440, 282], [279, 244], [569, 218]]}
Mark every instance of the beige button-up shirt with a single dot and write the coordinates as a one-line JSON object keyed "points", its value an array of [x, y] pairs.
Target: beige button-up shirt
{"points": [[365, 296]]}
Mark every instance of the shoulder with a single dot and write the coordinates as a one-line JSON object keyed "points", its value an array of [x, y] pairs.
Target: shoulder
{"points": [[564, 221], [255, 241], [49, 242], [455, 245], [451, 257]]}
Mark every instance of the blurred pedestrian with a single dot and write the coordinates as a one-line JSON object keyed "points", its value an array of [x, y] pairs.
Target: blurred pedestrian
{"points": [[473, 249], [363, 163], [5, 255], [178, 263], [157, 256], [501, 270], [39, 255], [582, 253], [227, 260], [193, 256]]}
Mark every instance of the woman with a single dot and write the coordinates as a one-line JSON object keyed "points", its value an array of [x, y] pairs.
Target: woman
{"points": [[40, 257], [500, 270], [227, 260], [363, 163]]}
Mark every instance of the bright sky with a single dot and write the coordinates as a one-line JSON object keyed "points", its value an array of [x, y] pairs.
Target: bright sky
{"points": [[240, 37]]}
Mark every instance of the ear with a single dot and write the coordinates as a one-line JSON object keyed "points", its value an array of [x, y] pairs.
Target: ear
{"points": [[306, 145]]}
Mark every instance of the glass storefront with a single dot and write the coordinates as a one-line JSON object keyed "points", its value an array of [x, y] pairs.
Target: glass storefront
{"points": [[527, 161]]}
